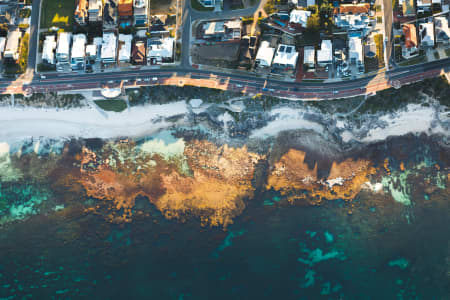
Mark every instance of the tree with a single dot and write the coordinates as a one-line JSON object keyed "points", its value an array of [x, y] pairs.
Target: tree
{"points": [[313, 23]]}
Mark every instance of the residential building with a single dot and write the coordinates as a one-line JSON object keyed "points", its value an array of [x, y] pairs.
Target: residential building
{"points": [[410, 48], [138, 53], [265, 55], [309, 57], [98, 42], [426, 33], [63, 51], [408, 8], [370, 48], [442, 31], [325, 54], [125, 8], [81, 12], [355, 53], [48, 50], [160, 50], [299, 17], [141, 12], [109, 48], [110, 15], [423, 6], [223, 30], [211, 3], [353, 17], [286, 57], [77, 60], [2, 46], [12, 47], [125, 48], [95, 10], [91, 56]]}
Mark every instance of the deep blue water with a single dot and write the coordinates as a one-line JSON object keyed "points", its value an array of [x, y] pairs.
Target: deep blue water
{"points": [[273, 251]]}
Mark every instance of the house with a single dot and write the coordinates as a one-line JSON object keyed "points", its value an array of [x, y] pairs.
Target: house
{"points": [[63, 50], [223, 30], [95, 10], [264, 56], [109, 48], [125, 8], [158, 25], [98, 42], [442, 31], [353, 17], [138, 53], [2, 46], [141, 12], [299, 17], [302, 3], [48, 50], [12, 45], [110, 15], [211, 3], [410, 48], [370, 48], [426, 33], [125, 48], [81, 12], [160, 50], [325, 54], [309, 57], [355, 52], [408, 8], [91, 55], [286, 57], [77, 60], [423, 6]]}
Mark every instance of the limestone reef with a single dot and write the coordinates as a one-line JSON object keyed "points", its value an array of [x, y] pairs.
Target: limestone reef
{"points": [[205, 180], [293, 178]]}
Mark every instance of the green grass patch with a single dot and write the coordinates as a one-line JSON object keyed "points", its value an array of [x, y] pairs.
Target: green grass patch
{"points": [[112, 105], [413, 61], [195, 4], [57, 13]]}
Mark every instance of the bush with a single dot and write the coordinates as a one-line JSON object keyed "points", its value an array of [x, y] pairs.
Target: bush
{"points": [[25, 13], [23, 58], [24, 26], [379, 19], [379, 43]]}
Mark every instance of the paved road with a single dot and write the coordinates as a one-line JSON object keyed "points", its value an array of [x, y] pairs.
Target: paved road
{"points": [[33, 34], [247, 83], [388, 19]]}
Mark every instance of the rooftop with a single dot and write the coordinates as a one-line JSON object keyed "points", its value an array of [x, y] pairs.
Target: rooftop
{"points": [[299, 17], [265, 54], [63, 45], [286, 55], [325, 53], [109, 46], [79, 46], [125, 47], [409, 30], [309, 55]]}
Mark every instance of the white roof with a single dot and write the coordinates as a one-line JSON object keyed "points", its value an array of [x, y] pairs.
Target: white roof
{"points": [[2, 44], [286, 55], [233, 24], [325, 53], [160, 48], [12, 41], [63, 43], [125, 47], [265, 54], [47, 50], [427, 33], [355, 48], [214, 27], [109, 46], [91, 50], [309, 55], [299, 17], [79, 45]]}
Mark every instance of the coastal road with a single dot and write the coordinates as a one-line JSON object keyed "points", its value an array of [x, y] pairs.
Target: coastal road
{"points": [[234, 82]]}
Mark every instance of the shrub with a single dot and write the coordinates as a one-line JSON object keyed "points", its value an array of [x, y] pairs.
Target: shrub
{"points": [[25, 13]]}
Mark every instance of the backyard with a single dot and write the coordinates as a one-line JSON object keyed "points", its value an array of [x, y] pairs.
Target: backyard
{"points": [[57, 13]]}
